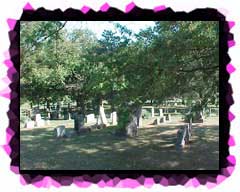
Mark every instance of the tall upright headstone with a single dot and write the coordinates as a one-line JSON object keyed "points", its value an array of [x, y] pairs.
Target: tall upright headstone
{"points": [[188, 133], [181, 134], [37, 117], [140, 122], [152, 111], [103, 116], [39, 122], [114, 118], [160, 112]]}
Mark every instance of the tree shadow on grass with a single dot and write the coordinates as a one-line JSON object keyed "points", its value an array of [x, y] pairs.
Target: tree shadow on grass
{"points": [[100, 150]]}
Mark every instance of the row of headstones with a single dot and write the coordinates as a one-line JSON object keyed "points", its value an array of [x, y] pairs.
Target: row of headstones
{"points": [[184, 135], [153, 113], [163, 119], [38, 122], [92, 119]]}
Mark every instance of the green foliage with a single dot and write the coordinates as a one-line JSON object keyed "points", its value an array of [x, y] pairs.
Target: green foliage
{"points": [[172, 58]]}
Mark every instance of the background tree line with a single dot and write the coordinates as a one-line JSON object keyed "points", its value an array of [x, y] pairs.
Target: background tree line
{"points": [[171, 58]]}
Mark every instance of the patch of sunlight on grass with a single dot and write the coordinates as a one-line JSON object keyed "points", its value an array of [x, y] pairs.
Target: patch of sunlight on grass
{"points": [[90, 151]]}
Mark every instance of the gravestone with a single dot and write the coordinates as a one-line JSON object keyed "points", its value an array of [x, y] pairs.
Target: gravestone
{"points": [[60, 131], [162, 119], [140, 122], [101, 118], [99, 122], [48, 115], [29, 124], [152, 111], [168, 117], [181, 134], [132, 127], [113, 116], [91, 118], [160, 112], [188, 133], [37, 117], [157, 121], [39, 122]]}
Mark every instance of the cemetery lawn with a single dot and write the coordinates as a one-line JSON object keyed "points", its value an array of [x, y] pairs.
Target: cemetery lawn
{"points": [[153, 149]]}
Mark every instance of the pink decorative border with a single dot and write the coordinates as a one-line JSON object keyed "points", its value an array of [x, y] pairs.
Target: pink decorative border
{"points": [[105, 181]]}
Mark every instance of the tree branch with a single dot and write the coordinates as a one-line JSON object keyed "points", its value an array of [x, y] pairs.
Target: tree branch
{"points": [[51, 34]]}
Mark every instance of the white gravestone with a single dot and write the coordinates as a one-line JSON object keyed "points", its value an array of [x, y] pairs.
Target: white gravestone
{"points": [[60, 131], [40, 123], [102, 116], [188, 133], [38, 120], [30, 124], [160, 112], [140, 122], [152, 110], [91, 118], [38, 117], [113, 116], [181, 134]]}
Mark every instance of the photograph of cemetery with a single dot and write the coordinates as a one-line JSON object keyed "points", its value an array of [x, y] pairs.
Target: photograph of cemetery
{"points": [[119, 95]]}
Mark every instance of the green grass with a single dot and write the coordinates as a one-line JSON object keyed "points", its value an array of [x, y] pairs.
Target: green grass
{"points": [[153, 149]]}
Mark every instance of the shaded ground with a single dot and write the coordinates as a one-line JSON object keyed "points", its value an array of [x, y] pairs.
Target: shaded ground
{"points": [[153, 149]]}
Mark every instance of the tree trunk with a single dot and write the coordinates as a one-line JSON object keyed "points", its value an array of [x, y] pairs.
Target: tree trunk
{"points": [[80, 104]]}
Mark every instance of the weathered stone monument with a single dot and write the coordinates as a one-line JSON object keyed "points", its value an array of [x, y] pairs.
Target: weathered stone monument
{"points": [[29, 124], [160, 112], [140, 121], [181, 134], [91, 119], [37, 117], [162, 119], [188, 133], [132, 128], [157, 121], [60, 131], [113, 116], [152, 111], [39, 122], [168, 117], [102, 117]]}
